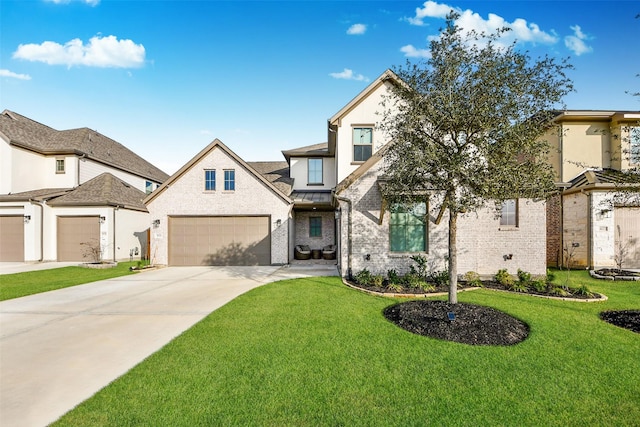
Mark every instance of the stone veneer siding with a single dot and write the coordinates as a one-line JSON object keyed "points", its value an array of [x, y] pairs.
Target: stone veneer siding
{"points": [[482, 243], [186, 197]]}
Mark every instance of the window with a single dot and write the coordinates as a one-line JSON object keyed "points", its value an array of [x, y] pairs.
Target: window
{"points": [[314, 167], [634, 135], [509, 213], [362, 143], [315, 226], [408, 227], [59, 165], [209, 180], [230, 180], [148, 187]]}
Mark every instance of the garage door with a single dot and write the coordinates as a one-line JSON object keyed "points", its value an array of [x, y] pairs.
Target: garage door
{"points": [[76, 236], [12, 238], [237, 240], [627, 239]]}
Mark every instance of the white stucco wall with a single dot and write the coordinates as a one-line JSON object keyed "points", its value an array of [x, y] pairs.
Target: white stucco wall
{"points": [[31, 171], [298, 171], [131, 232], [186, 196], [367, 112], [89, 169], [5, 167]]}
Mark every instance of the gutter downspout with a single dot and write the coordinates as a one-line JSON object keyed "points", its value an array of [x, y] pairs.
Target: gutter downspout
{"points": [[349, 234], [589, 229], [114, 232], [33, 202]]}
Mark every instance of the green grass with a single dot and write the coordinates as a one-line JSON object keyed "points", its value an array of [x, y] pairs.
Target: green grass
{"points": [[33, 282], [311, 352]]}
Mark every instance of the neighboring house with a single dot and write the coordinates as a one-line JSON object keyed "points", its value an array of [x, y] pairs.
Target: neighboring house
{"points": [[67, 194], [593, 222], [328, 194]]}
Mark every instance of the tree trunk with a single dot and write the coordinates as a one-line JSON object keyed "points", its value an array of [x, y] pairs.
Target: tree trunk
{"points": [[453, 257]]}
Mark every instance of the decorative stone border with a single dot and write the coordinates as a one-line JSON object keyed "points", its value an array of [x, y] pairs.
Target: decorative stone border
{"points": [[595, 275], [98, 265], [438, 294]]}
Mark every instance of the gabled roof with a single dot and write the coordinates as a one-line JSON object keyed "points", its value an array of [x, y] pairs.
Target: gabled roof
{"points": [[39, 195], [273, 170], [315, 150], [362, 169], [387, 75], [103, 190], [603, 179], [28, 134]]}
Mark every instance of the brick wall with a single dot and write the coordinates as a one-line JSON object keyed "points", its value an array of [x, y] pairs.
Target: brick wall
{"points": [[554, 230], [302, 229]]}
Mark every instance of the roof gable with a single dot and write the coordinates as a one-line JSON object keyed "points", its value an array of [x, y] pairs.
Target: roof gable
{"points": [[26, 133], [273, 169]]}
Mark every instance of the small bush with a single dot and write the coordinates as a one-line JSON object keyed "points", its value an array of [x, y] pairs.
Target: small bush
{"points": [[395, 287], [583, 290], [558, 291], [393, 277], [412, 280], [440, 278], [363, 277], [472, 278], [376, 280], [504, 278], [550, 275], [519, 286], [421, 267], [523, 276], [540, 285], [427, 287]]}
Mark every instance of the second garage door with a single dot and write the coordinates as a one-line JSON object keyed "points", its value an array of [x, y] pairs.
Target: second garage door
{"points": [[219, 240], [78, 237]]}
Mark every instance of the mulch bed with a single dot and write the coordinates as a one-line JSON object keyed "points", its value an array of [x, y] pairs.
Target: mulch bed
{"points": [[473, 324], [616, 272], [628, 319]]}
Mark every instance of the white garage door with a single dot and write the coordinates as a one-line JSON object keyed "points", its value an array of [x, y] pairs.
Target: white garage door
{"points": [[627, 239], [12, 238], [77, 237], [219, 240]]}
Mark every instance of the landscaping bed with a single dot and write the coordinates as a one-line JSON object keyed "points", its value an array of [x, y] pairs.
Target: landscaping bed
{"points": [[628, 319]]}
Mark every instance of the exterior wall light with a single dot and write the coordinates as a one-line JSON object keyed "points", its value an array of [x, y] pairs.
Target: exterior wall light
{"points": [[27, 218]]}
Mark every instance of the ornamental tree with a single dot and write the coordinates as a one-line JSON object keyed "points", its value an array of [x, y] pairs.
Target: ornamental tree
{"points": [[466, 125]]}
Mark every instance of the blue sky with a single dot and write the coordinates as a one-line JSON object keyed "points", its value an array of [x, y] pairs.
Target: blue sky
{"points": [[166, 77]]}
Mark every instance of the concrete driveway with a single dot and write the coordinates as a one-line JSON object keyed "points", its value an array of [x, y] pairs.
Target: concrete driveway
{"points": [[58, 348]]}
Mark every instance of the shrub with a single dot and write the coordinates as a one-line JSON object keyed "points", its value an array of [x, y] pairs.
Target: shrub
{"points": [[421, 267], [472, 278], [440, 278], [583, 290], [363, 277], [550, 275], [558, 291], [504, 278], [376, 280], [519, 286], [393, 277], [540, 285], [395, 287], [523, 276], [412, 280], [427, 287]]}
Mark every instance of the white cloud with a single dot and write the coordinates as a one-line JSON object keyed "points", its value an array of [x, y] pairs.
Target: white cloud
{"points": [[7, 73], [99, 52], [357, 29], [89, 2], [576, 42], [430, 9], [412, 52], [348, 74], [468, 21]]}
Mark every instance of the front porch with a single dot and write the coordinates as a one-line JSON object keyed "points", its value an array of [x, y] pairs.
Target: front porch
{"points": [[314, 233]]}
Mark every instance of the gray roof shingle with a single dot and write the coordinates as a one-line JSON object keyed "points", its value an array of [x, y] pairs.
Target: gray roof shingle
{"points": [[29, 134], [277, 173]]}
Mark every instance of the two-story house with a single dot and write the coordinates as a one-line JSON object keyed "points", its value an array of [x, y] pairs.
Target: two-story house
{"points": [[593, 222], [219, 209], [66, 195]]}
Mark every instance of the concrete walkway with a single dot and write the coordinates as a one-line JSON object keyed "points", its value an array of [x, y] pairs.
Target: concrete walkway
{"points": [[23, 267], [59, 348]]}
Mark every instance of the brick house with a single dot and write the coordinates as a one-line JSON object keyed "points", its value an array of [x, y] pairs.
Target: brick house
{"points": [[328, 194]]}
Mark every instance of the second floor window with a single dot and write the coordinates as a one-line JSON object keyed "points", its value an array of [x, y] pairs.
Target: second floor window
{"points": [[59, 165], [315, 171], [210, 180], [148, 187], [362, 143], [230, 180]]}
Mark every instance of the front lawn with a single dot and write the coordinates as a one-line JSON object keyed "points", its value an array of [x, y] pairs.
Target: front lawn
{"points": [[33, 282], [310, 352]]}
